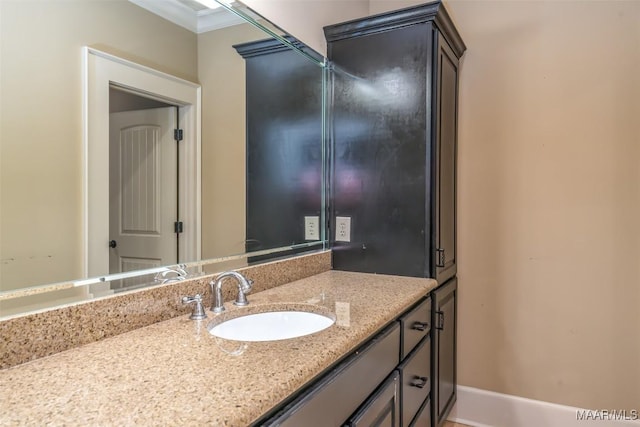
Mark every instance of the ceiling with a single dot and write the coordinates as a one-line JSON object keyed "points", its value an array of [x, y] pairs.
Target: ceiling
{"points": [[191, 14]]}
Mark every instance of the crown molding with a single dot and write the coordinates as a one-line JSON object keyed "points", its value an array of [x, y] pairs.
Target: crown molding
{"points": [[429, 12], [182, 15], [215, 19]]}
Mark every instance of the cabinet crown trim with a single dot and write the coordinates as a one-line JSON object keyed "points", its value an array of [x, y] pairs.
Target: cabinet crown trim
{"points": [[260, 47], [429, 12], [268, 46]]}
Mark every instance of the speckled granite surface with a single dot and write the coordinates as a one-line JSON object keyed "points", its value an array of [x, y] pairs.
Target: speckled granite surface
{"points": [[175, 373], [32, 336]]}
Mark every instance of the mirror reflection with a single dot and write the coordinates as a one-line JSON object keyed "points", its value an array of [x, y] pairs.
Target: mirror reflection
{"points": [[98, 183]]}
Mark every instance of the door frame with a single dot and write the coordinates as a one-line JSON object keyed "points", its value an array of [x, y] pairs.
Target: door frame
{"points": [[100, 71]]}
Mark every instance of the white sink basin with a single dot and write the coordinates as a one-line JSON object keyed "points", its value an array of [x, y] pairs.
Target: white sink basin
{"points": [[271, 326]]}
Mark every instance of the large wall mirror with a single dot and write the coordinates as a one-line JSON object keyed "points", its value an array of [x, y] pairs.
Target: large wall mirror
{"points": [[100, 194]]}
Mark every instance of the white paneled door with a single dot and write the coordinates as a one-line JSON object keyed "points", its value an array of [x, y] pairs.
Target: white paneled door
{"points": [[142, 189]]}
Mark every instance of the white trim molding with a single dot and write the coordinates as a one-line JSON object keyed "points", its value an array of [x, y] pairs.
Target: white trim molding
{"points": [[215, 19], [101, 71], [173, 11], [482, 408], [196, 21]]}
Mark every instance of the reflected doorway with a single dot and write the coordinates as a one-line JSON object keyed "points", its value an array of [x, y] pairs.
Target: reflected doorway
{"points": [[103, 72], [143, 184]]}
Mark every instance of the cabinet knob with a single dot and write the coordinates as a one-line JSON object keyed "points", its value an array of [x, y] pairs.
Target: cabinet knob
{"points": [[419, 382], [420, 326], [113, 244]]}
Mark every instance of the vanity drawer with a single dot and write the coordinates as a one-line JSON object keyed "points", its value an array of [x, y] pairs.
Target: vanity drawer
{"points": [[423, 419], [415, 326], [382, 409], [335, 397], [416, 380]]}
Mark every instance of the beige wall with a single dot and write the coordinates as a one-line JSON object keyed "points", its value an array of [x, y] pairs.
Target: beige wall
{"points": [[222, 75], [381, 6], [549, 198], [41, 120]]}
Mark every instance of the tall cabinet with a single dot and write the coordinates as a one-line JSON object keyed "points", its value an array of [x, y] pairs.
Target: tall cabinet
{"points": [[283, 143], [393, 132]]}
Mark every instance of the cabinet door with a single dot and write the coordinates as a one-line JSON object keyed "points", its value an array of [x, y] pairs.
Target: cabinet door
{"points": [[445, 161], [443, 390], [382, 409], [380, 151]]}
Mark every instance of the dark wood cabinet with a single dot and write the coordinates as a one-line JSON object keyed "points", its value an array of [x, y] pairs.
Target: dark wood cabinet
{"points": [[416, 381], [444, 351], [423, 419], [337, 398], [393, 127], [380, 151], [382, 409], [415, 325], [284, 131], [386, 382], [393, 121], [444, 162]]}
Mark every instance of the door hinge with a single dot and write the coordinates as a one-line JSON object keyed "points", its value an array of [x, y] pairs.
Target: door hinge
{"points": [[439, 320], [440, 257], [178, 134], [177, 226]]}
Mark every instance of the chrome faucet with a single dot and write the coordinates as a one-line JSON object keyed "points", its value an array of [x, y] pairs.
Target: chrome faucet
{"points": [[169, 275], [198, 311], [244, 287]]}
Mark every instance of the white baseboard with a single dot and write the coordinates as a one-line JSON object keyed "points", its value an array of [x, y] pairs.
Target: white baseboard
{"points": [[481, 408]]}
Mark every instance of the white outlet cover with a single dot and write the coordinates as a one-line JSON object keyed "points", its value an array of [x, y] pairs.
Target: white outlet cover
{"points": [[343, 229], [311, 228]]}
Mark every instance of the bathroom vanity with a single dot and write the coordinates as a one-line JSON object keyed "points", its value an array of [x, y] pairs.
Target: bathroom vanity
{"points": [[175, 372], [385, 382], [390, 358]]}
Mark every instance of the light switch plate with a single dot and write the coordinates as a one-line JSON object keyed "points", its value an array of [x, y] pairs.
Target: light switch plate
{"points": [[311, 228], [343, 229]]}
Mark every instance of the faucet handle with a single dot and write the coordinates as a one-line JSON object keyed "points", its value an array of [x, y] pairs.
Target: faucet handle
{"points": [[244, 289], [198, 310], [247, 288]]}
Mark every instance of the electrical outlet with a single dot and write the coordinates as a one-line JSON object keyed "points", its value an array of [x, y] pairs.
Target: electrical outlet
{"points": [[343, 229], [311, 228]]}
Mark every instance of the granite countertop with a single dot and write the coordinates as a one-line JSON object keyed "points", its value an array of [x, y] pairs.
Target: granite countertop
{"points": [[175, 373]]}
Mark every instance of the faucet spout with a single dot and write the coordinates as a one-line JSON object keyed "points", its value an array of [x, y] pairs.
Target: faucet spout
{"points": [[244, 287]]}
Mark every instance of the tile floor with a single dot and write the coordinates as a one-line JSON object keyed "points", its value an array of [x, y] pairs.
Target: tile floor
{"points": [[450, 424]]}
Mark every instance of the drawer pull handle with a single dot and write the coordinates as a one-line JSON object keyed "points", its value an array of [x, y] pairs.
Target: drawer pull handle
{"points": [[419, 382], [420, 326]]}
